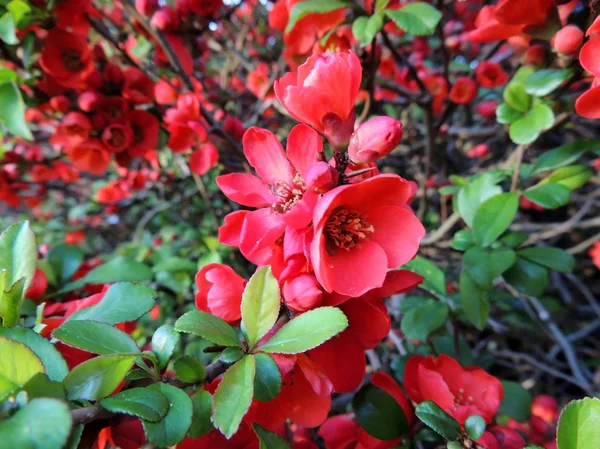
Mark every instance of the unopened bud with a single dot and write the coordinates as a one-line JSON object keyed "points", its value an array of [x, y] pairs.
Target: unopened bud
{"points": [[374, 139], [302, 293]]}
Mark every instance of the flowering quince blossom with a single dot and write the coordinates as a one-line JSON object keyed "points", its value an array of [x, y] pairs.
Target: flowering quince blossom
{"points": [[459, 391], [220, 291]]}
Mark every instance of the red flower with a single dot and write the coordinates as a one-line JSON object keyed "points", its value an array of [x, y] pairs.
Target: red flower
{"points": [[145, 129], [438, 87], [185, 124], [90, 156], [374, 139], [365, 224], [280, 192], [478, 151], [502, 437], [463, 90], [489, 29], [117, 137], [588, 103], [138, 88], [204, 158], [300, 39], [322, 94], [490, 74], [518, 12], [67, 58], [38, 285], [74, 130], [459, 391], [220, 291]]}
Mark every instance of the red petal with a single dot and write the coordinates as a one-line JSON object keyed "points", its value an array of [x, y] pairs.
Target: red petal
{"points": [[303, 147], [246, 189], [265, 154]]}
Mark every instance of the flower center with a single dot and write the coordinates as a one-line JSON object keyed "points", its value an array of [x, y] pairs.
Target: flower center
{"points": [[288, 194], [72, 60], [345, 229]]}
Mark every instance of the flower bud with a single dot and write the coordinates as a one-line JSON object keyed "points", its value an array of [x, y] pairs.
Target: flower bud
{"points": [[374, 139], [479, 151], [302, 293], [568, 40], [322, 177]]}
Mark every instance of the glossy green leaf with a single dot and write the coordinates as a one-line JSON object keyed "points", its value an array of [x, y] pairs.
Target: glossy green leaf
{"points": [[506, 114], [307, 331], [7, 29], [18, 364], [306, 7], [121, 303], [145, 403], [554, 258], [549, 196], [260, 305], [366, 28], [40, 386], [10, 301], [18, 253], [473, 300], [462, 240], [65, 260], [419, 322], [524, 130], [53, 361], [12, 109], [578, 425], [232, 355], [572, 177], [485, 265], [378, 413], [418, 18], [208, 326], [516, 97], [202, 410], [474, 426], [174, 426], [269, 440], [164, 342], [437, 419], [471, 197], [544, 82], [434, 278], [189, 369], [542, 115], [119, 269], [516, 402], [95, 337], [234, 396], [564, 155], [98, 377], [493, 217], [43, 423], [267, 381], [527, 277]]}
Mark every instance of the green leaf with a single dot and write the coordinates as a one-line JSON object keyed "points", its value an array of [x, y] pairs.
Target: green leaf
{"points": [[173, 264], [12, 109], [474, 426], [366, 28], [517, 97], [18, 365], [121, 303], [208, 326], [473, 300], [260, 305], [189, 369], [307, 331], [434, 278], [95, 337], [542, 115], [306, 7], [146, 403], [506, 114], [40, 386], [462, 240], [55, 364], [10, 302], [119, 269], [517, 401], [234, 396], [572, 177], [164, 342], [471, 197], [527, 277], [20, 11], [564, 155], [98, 377], [549, 196], [269, 440], [378, 413], [232, 355], [65, 260], [419, 322], [514, 239], [485, 265], [554, 258], [418, 18], [174, 426], [493, 217], [7, 29], [202, 409], [18, 252], [437, 419], [578, 425], [523, 73], [524, 130], [43, 423], [544, 82], [267, 381]]}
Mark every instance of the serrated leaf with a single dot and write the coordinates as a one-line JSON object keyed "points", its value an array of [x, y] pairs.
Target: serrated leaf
{"points": [[189, 369], [174, 426], [145, 403], [98, 377], [578, 425], [12, 110], [306, 331], [18, 252], [202, 410], [234, 396], [549, 196], [269, 440], [437, 419], [434, 278], [471, 197], [65, 260], [564, 155], [122, 302], [10, 302], [95, 337], [493, 217], [485, 265], [119, 269], [267, 381], [366, 28], [260, 305], [164, 342], [378, 413], [418, 18], [18, 364], [208, 326], [473, 300], [302, 9]]}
